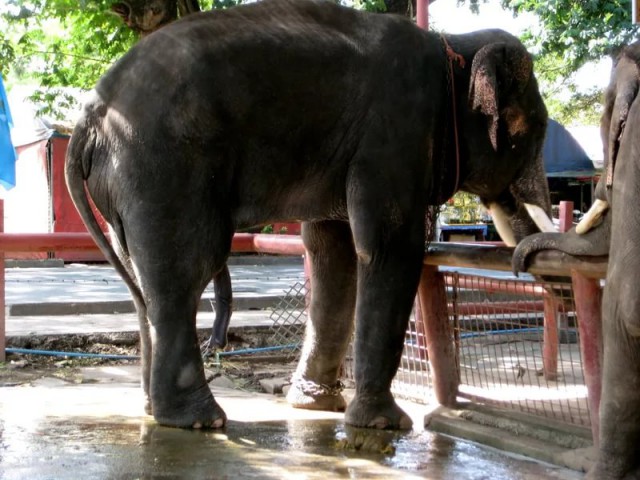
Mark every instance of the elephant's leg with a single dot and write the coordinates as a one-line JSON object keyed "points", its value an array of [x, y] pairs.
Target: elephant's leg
{"points": [[389, 262], [145, 355], [333, 294], [179, 392], [117, 237], [224, 299], [618, 456], [172, 281]]}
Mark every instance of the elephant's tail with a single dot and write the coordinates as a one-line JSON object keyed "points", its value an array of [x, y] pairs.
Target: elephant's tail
{"points": [[81, 156]]}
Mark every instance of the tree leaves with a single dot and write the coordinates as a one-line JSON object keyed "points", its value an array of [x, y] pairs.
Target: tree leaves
{"points": [[573, 33]]}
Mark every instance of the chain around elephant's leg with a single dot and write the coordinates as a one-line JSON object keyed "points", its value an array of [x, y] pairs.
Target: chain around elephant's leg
{"points": [[315, 385]]}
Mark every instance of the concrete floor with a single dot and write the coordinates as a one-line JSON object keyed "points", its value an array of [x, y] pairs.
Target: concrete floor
{"points": [[53, 429]]}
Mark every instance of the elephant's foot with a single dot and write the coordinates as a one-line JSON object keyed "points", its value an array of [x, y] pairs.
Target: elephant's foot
{"points": [[195, 410], [377, 411], [147, 404], [312, 396], [612, 470]]}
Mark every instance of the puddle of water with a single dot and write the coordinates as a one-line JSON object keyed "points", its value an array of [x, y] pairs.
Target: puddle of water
{"points": [[126, 449], [99, 432]]}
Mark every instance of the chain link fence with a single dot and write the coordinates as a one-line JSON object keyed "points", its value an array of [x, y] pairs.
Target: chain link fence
{"points": [[517, 347]]}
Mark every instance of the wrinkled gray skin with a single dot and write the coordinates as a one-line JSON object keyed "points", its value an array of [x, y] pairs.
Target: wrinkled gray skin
{"points": [[284, 110], [619, 453], [223, 296], [145, 17]]}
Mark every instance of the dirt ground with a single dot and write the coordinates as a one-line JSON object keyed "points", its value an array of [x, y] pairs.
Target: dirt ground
{"points": [[244, 371]]}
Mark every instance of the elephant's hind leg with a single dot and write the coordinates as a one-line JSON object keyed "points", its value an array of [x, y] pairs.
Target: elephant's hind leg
{"points": [[224, 306], [180, 395], [329, 329]]}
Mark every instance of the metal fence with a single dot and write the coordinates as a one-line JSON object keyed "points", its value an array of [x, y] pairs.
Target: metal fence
{"points": [[516, 343]]}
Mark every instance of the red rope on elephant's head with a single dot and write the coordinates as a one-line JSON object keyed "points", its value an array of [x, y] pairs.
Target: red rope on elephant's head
{"points": [[453, 56]]}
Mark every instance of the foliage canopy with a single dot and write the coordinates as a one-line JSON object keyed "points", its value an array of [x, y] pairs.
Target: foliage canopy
{"points": [[62, 43]]}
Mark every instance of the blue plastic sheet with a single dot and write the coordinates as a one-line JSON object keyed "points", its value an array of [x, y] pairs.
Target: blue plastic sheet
{"points": [[7, 151]]}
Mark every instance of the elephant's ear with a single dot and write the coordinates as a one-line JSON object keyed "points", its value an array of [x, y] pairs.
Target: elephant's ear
{"points": [[122, 9], [617, 108], [498, 70]]}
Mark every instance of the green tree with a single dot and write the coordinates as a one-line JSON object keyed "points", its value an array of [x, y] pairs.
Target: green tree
{"points": [[61, 43], [573, 33]]}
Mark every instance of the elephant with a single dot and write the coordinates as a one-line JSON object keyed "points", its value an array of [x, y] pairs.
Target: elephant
{"points": [[612, 228], [224, 298], [350, 122]]}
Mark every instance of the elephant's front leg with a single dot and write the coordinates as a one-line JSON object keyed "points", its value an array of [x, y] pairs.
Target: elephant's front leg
{"points": [[388, 276], [315, 384], [619, 452]]}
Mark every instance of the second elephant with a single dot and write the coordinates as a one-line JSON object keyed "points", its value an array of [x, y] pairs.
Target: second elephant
{"points": [[618, 235]]}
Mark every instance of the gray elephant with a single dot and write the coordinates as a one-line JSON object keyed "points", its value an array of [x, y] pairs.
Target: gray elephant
{"points": [[352, 122], [612, 227], [223, 308]]}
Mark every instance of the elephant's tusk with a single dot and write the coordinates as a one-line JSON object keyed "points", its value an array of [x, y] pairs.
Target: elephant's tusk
{"points": [[540, 217], [502, 225], [591, 217]]}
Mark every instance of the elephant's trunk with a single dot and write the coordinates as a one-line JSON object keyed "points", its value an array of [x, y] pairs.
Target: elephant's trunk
{"points": [[533, 244]]}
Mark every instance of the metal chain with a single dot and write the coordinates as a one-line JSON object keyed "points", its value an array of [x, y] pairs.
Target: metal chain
{"points": [[316, 389]]}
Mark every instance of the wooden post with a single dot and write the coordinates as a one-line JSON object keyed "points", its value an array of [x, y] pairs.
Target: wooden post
{"points": [[588, 298], [432, 297], [550, 339]]}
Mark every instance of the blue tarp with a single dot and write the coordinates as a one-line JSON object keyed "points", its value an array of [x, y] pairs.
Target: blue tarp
{"points": [[563, 155], [7, 152]]}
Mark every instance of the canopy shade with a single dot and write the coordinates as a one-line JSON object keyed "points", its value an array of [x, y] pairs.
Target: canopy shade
{"points": [[563, 155]]}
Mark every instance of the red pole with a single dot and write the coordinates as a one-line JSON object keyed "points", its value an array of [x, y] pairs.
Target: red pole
{"points": [[566, 216], [422, 14], [552, 308], [550, 339], [432, 297], [2, 291], [588, 297]]}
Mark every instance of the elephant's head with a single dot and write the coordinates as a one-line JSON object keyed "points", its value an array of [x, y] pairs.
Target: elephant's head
{"points": [[591, 237], [503, 121], [146, 16]]}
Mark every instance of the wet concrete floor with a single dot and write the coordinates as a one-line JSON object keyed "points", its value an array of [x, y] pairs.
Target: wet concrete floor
{"points": [[53, 429]]}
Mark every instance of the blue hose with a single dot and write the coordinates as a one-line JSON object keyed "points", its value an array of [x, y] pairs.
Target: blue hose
{"points": [[501, 332], [53, 353], [257, 350]]}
